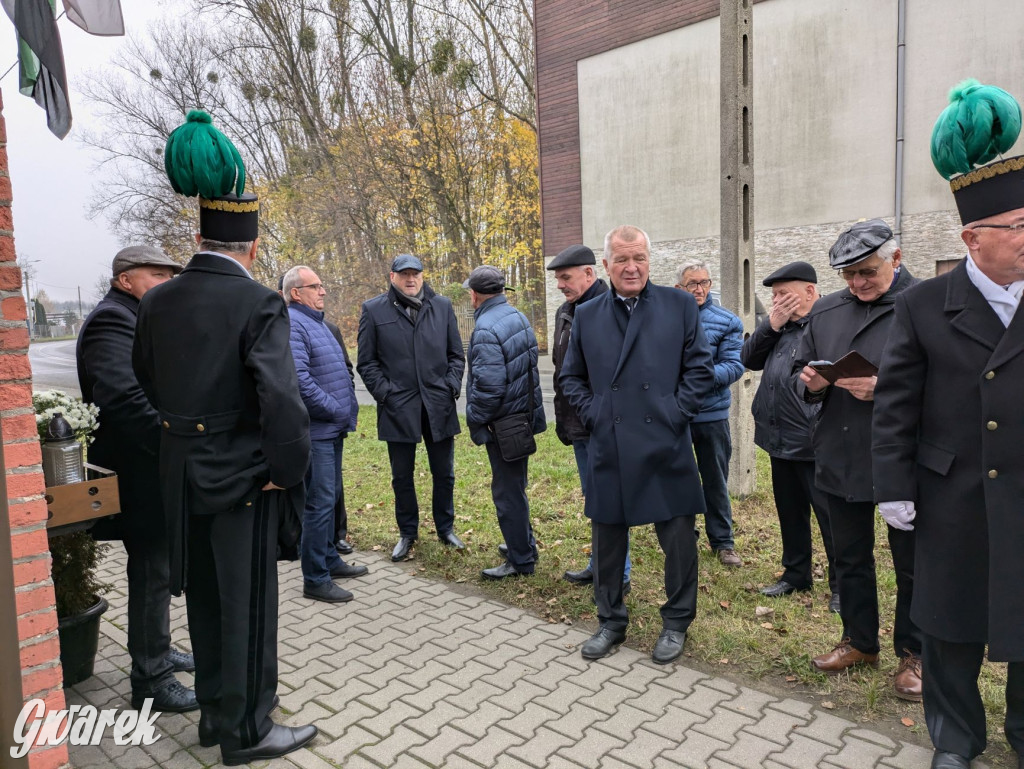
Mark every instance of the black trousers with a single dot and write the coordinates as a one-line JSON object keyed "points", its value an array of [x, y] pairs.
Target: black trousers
{"points": [[149, 605], [795, 497], [232, 616], [610, 543], [508, 490], [953, 708], [340, 516], [441, 458], [853, 538]]}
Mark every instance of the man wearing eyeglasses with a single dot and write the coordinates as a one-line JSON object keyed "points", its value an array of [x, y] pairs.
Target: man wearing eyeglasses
{"points": [[859, 318], [329, 395], [709, 429]]}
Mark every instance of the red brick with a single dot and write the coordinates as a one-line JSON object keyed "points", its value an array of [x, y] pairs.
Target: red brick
{"points": [[40, 653], [6, 217], [19, 426], [28, 513], [10, 274], [37, 624], [29, 543], [3, 157], [48, 757], [22, 454], [32, 572], [25, 485], [5, 188], [36, 599], [13, 338], [14, 365], [7, 253], [13, 307]]}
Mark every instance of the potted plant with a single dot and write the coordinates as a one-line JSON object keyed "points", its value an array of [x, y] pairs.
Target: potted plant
{"points": [[77, 590]]}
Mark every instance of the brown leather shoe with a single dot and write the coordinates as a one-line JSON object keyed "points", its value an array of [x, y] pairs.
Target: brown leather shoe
{"points": [[727, 557], [842, 657], [908, 678]]}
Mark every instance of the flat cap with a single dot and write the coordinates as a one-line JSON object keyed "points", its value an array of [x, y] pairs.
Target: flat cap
{"points": [[858, 243], [792, 271], [142, 256], [406, 262], [573, 256], [486, 280]]}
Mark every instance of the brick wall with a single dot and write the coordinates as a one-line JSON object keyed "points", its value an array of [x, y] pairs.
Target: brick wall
{"points": [[36, 618]]}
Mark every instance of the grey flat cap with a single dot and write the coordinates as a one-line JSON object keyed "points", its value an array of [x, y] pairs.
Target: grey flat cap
{"points": [[406, 262], [792, 271], [858, 243], [142, 256], [573, 256], [486, 280]]}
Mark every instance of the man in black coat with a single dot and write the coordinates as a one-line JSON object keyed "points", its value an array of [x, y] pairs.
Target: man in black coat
{"points": [[859, 318], [212, 353], [637, 369], [411, 360], [128, 442], [782, 427]]}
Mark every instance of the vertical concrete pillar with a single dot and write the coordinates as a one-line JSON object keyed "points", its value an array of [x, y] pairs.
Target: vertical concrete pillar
{"points": [[737, 212]]}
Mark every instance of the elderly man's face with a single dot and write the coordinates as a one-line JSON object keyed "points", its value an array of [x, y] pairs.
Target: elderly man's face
{"points": [[804, 294], [138, 280], [409, 282], [574, 281], [310, 292], [870, 278], [698, 283], [629, 266], [996, 249]]}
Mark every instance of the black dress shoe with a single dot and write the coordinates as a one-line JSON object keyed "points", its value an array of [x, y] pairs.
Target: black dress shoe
{"points": [[173, 698], [833, 603], [669, 646], [402, 548], [182, 662], [602, 643], [506, 569], [327, 592], [343, 547], [348, 570], [581, 577], [280, 741], [451, 540], [209, 725], [781, 588], [943, 760]]}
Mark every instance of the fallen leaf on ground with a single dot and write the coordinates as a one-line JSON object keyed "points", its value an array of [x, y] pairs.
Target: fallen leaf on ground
{"points": [[767, 625], [724, 604], [791, 679], [723, 661], [907, 721], [764, 611], [828, 705]]}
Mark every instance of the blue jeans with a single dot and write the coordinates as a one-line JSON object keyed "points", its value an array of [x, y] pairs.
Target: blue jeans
{"points": [[581, 449], [323, 487], [713, 446]]}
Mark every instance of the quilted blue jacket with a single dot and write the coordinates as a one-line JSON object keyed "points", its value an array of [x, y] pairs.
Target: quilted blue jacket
{"points": [[724, 332], [324, 382], [502, 353]]}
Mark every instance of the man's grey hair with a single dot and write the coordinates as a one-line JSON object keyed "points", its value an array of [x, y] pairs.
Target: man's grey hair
{"points": [[690, 266], [239, 247], [888, 249], [627, 233], [292, 279]]}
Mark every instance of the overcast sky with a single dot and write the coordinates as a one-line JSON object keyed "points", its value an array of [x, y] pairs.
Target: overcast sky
{"points": [[52, 179]]}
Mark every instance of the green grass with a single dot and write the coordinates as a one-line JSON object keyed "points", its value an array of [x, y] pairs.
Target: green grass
{"points": [[727, 638]]}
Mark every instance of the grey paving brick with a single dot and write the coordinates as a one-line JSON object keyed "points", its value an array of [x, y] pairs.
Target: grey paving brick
{"points": [[389, 719], [638, 677], [430, 696], [594, 745], [723, 685], [528, 720], [432, 721], [911, 757], [593, 677], [521, 693], [694, 751], [509, 675], [352, 713], [563, 697], [435, 752], [750, 701], [870, 736], [180, 760], [775, 726], [642, 749], [794, 707], [673, 723], [481, 718], [702, 700], [497, 638], [496, 742], [550, 676], [381, 698], [577, 721], [748, 750], [624, 722], [387, 750], [609, 698], [803, 752], [464, 676], [392, 671], [306, 758], [656, 698], [826, 728], [857, 753], [543, 656], [539, 748], [338, 698], [354, 738], [426, 673], [724, 724]]}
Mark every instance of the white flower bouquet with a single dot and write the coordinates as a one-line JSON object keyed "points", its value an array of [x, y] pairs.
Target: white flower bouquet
{"points": [[83, 417]]}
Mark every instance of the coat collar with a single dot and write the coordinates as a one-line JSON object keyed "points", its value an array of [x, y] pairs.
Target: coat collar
{"points": [[205, 261], [633, 326], [494, 301], [972, 315], [316, 315], [123, 298]]}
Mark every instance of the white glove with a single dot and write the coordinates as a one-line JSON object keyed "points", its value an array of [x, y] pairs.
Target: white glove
{"points": [[898, 514]]}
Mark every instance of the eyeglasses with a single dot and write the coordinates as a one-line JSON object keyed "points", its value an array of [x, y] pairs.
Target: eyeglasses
{"points": [[867, 273], [314, 286], [1015, 227], [693, 284]]}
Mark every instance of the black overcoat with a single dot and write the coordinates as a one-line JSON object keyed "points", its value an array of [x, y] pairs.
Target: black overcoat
{"points": [[841, 434], [128, 438], [637, 380], [568, 426], [410, 366], [948, 432], [212, 354]]}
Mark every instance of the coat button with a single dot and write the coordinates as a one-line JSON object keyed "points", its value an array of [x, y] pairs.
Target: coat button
{"points": [[990, 375], [992, 425], [618, 419], [248, 504], [167, 425], [615, 387], [846, 429], [200, 427], [993, 473], [647, 419], [645, 386]]}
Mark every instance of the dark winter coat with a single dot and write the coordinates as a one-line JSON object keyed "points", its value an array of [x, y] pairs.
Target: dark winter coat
{"points": [[325, 384], [841, 434], [724, 334], [409, 367], [502, 360], [947, 436], [128, 438], [212, 354], [782, 419], [637, 380], [568, 426]]}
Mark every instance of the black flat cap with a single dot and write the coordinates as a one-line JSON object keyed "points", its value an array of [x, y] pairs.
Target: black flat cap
{"points": [[486, 280], [573, 256], [858, 243], [792, 271], [406, 262]]}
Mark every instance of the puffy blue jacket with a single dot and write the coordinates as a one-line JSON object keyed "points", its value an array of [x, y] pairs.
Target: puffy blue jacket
{"points": [[724, 332], [324, 382], [502, 353]]}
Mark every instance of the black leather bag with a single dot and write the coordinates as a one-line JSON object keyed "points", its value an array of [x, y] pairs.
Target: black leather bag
{"points": [[514, 435]]}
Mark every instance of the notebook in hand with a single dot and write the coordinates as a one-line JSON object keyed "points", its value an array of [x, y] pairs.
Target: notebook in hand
{"points": [[853, 364]]}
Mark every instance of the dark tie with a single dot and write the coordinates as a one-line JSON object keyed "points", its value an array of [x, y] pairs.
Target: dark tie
{"points": [[630, 303]]}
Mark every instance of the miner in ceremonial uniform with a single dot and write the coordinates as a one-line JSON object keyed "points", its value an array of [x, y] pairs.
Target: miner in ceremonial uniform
{"points": [[947, 432], [212, 354]]}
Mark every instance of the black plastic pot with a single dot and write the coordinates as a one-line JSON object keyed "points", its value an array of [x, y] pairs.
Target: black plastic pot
{"points": [[79, 641]]}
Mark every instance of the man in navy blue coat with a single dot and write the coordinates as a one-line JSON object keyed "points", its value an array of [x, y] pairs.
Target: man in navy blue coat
{"points": [[637, 369]]}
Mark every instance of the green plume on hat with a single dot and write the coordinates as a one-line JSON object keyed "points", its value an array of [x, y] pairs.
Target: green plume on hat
{"points": [[200, 160], [981, 122]]}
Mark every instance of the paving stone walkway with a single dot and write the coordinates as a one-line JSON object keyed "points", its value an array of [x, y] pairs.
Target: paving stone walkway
{"points": [[415, 673]]}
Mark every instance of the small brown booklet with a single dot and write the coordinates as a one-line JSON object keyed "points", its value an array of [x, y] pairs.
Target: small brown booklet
{"points": [[853, 364]]}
